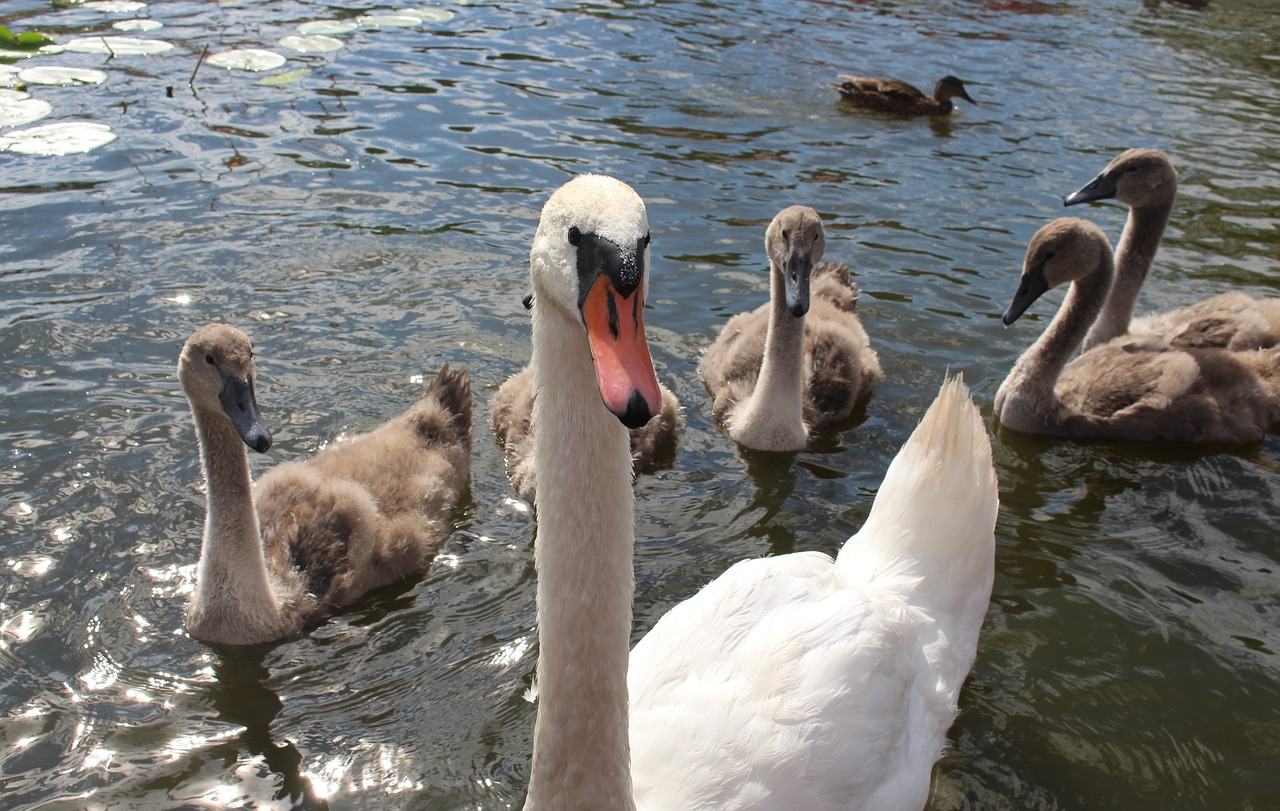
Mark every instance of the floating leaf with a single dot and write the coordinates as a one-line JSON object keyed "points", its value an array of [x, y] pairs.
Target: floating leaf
{"points": [[328, 27], [8, 75], [388, 21], [114, 6], [117, 46], [26, 41], [57, 75], [12, 95], [288, 77], [64, 138], [247, 59], [427, 15], [16, 112], [313, 44], [137, 25]]}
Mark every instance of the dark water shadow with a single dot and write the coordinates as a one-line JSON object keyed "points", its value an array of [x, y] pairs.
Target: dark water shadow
{"points": [[774, 476], [242, 696]]}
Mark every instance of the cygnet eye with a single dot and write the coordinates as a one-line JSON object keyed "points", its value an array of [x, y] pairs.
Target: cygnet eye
{"points": [[575, 236], [209, 359]]}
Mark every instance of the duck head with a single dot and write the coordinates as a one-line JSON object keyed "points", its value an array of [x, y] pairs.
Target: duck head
{"points": [[949, 87]]}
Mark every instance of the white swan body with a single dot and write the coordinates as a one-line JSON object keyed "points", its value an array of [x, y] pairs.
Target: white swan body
{"points": [[1146, 181], [801, 362], [1127, 388], [312, 536], [789, 682]]}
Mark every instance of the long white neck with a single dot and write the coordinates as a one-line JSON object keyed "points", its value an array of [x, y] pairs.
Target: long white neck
{"points": [[232, 583], [583, 553], [1134, 256], [1026, 397], [772, 418]]}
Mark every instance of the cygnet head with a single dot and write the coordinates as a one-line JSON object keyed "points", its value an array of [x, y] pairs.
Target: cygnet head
{"points": [[1063, 251], [1139, 178], [217, 374], [949, 87], [795, 243], [590, 260]]}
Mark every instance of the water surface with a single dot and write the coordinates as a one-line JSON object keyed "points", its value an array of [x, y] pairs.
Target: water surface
{"points": [[370, 221]]}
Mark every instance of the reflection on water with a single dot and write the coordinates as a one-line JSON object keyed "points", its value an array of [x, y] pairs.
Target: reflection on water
{"points": [[239, 695], [370, 219]]}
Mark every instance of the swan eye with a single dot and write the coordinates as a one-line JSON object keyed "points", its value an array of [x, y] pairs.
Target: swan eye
{"points": [[1050, 255], [209, 359], [786, 236], [575, 236], [645, 240]]}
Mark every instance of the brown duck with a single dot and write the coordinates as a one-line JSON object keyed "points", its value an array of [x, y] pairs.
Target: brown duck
{"points": [[893, 96]]}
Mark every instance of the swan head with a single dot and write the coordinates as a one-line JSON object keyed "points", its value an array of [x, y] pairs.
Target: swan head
{"points": [[795, 242], [217, 374], [1063, 251], [1138, 178], [590, 261], [949, 87]]}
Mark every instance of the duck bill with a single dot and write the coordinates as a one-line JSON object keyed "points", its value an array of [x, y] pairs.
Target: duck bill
{"points": [[1101, 187], [620, 353], [1033, 285], [241, 404]]}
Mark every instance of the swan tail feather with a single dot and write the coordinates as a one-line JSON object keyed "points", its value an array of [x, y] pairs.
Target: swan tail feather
{"points": [[934, 516]]}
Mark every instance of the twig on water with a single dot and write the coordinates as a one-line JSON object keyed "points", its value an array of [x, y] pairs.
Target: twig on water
{"points": [[192, 81]]}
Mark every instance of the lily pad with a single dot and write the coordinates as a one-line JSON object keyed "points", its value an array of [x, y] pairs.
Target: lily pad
{"points": [[16, 112], [63, 138], [137, 25], [388, 21], [247, 59], [8, 75], [313, 44], [117, 46], [427, 15], [288, 77], [12, 95], [44, 50], [327, 27], [114, 6], [58, 75]]}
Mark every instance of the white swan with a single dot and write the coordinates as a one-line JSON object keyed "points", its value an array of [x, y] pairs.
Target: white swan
{"points": [[799, 363], [794, 682], [1145, 180], [312, 536], [1127, 388]]}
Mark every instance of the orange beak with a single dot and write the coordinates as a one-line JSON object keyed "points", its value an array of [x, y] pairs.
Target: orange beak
{"points": [[624, 370]]}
